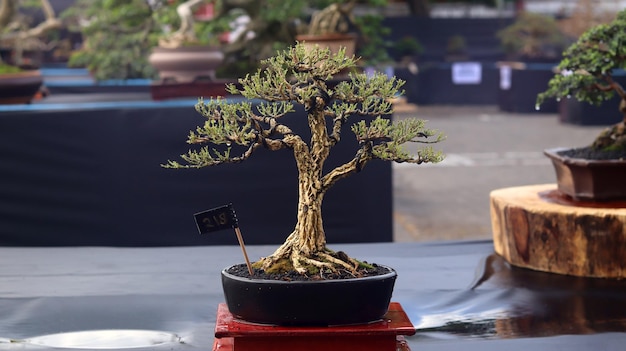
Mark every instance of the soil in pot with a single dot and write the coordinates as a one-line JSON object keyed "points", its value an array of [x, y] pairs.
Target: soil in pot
{"points": [[590, 153], [241, 270]]}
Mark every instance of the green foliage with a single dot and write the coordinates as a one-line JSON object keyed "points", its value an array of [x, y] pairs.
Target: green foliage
{"points": [[299, 76], [456, 44], [398, 134], [532, 35], [586, 71], [117, 37], [374, 47], [407, 46], [4, 69]]}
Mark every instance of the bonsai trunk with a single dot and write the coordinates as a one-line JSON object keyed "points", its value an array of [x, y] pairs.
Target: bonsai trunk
{"points": [[305, 250], [613, 137]]}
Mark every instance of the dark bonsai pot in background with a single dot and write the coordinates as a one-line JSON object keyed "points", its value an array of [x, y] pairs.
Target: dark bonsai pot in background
{"points": [[587, 179], [310, 302], [20, 87]]}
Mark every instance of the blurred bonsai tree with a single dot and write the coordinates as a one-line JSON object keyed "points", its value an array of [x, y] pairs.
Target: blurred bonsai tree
{"points": [[532, 35], [180, 14], [300, 76], [586, 74], [373, 46], [407, 47], [586, 14], [331, 17], [117, 37], [18, 33], [259, 28], [456, 48]]}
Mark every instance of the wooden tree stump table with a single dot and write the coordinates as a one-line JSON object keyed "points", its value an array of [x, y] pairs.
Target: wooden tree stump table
{"points": [[538, 228], [385, 335]]}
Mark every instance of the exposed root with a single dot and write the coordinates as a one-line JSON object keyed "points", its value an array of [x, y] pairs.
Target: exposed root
{"points": [[337, 261], [288, 258], [316, 263]]}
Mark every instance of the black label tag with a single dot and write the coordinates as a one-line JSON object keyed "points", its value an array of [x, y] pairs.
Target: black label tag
{"points": [[215, 219]]}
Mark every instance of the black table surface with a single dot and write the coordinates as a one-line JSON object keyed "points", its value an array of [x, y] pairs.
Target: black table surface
{"points": [[459, 296]]}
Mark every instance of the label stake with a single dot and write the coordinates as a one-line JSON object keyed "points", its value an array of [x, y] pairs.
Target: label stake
{"points": [[221, 218], [243, 248]]}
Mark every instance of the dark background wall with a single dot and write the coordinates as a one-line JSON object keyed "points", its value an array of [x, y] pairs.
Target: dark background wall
{"points": [[92, 176], [433, 35]]}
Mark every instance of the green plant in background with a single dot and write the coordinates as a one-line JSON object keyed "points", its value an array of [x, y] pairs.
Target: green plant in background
{"points": [[586, 74], [271, 27], [407, 47], [456, 45], [532, 35], [19, 34], [117, 37], [300, 76], [180, 28], [336, 16], [4, 68], [373, 48]]}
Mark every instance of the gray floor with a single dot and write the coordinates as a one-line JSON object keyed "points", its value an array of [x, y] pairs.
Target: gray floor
{"points": [[486, 149]]}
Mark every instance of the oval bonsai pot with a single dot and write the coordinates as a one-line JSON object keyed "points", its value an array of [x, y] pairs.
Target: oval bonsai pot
{"points": [[21, 87], [586, 179], [309, 303], [186, 64]]}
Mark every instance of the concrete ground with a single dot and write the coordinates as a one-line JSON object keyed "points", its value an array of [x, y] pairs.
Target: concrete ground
{"points": [[486, 149]]}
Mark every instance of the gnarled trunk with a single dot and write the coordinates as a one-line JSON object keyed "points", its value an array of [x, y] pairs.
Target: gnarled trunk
{"points": [[307, 241], [305, 248], [309, 230]]}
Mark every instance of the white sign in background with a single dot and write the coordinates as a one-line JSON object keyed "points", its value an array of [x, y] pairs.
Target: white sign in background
{"points": [[466, 73], [505, 77]]}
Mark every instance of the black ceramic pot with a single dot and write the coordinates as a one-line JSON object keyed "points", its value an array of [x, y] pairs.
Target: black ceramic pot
{"points": [[309, 303]]}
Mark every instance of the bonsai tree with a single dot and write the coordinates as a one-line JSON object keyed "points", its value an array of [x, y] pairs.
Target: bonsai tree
{"points": [[532, 36], [179, 14], [586, 73], [117, 37], [300, 76], [406, 48], [585, 14], [269, 25], [119, 34], [456, 48], [17, 32]]}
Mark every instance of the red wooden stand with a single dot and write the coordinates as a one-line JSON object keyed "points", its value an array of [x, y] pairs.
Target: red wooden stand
{"points": [[164, 91], [385, 335]]}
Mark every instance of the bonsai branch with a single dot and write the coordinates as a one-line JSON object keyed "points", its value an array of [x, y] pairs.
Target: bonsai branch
{"points": [[362, 157]]}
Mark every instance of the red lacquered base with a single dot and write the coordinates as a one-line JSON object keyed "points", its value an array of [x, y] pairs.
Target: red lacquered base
{"points": [[192, 89], [385, 335]]}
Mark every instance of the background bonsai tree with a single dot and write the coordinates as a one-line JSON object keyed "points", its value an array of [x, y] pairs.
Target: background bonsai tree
{"points": [[586, 73], [300, 76], [117, 36], [18, 33], [532, 36]]}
